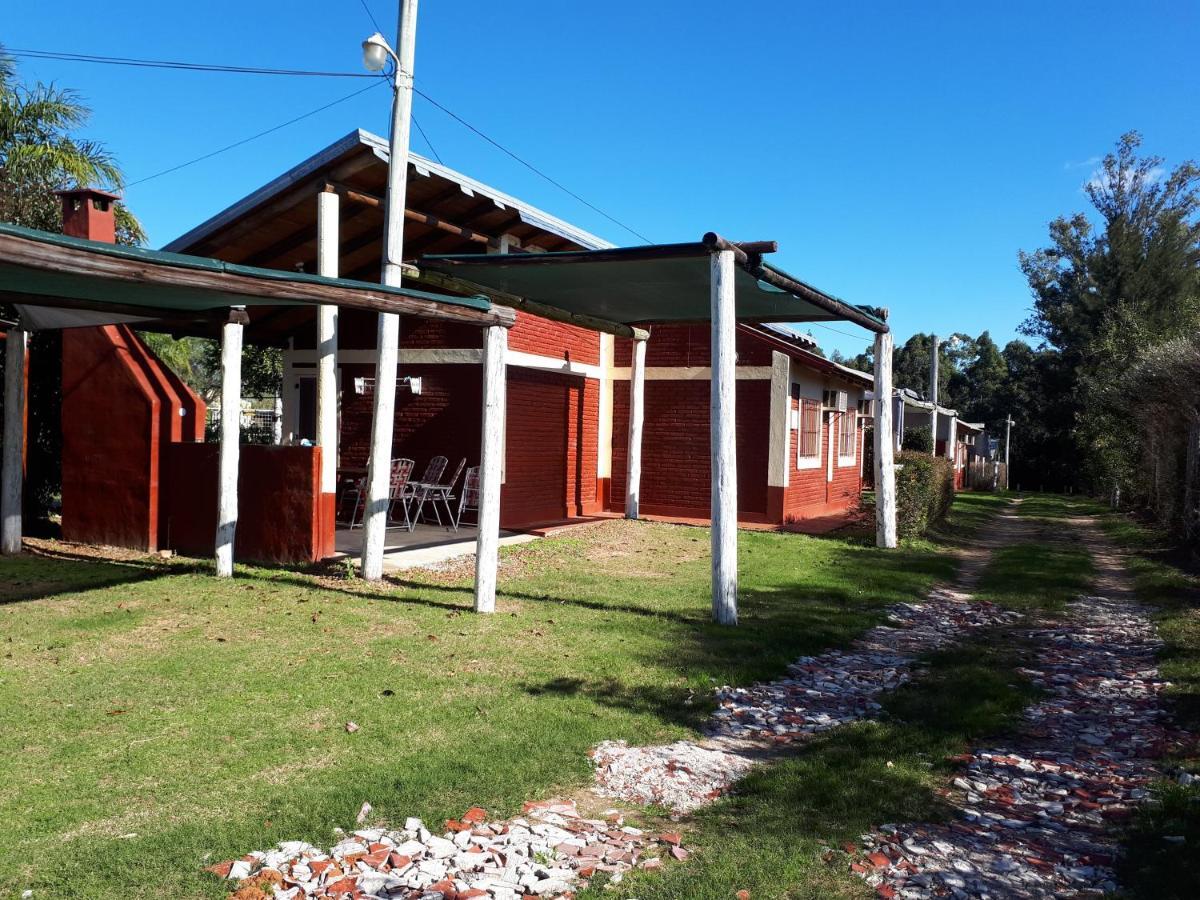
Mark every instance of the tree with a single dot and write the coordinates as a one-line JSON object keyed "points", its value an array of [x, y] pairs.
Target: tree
{"points": [[1106, 290], [40, 154]]}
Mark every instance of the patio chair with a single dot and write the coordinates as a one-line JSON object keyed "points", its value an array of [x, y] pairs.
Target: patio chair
{"points": [[401, 469], [470, 496], [443, 491], [421, 490], [401, 490]]}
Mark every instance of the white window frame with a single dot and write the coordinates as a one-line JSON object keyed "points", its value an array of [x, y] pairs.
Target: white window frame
{"points": [[851, 414], [809, 462]]}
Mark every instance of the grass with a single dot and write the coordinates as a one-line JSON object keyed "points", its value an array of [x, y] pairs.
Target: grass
{"points": [[782, 833], [1162, 848], [1041, 576], [1162, 860], [156, 719]]}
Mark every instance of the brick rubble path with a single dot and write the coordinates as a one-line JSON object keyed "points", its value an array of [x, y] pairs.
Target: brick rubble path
{"points": [[1037, 817]]}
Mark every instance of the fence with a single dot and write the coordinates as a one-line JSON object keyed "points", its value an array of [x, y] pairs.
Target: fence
{"points": [[984, 475]]}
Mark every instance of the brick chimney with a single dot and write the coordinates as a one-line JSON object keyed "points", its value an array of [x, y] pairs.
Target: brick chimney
{"points": [[89, 213]]}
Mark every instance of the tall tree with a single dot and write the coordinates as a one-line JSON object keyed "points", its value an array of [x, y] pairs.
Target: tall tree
{"points": [[41, 153], [1106, 290]]}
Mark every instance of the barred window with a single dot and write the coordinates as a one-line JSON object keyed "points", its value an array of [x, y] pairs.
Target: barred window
{"points": [[848, 434], [809, 437]]}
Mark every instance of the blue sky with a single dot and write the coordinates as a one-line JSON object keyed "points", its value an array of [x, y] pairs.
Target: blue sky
{"points": [[901, 154]]}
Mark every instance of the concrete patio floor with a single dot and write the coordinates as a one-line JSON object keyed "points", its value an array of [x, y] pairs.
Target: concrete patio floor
{"points": [[423, 546]]}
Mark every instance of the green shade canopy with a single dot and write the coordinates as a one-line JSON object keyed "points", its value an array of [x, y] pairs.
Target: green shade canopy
{"points": [[639, 285], [53, 278]]}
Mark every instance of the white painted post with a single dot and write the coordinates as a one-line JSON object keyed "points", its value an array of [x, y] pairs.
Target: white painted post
{"points": [[637, 406], [327, 322], [952, 439], [933, 392], [885, 469], [231, 420], [723, 424], [383, 413], [779, 432], [487, 541], [16, 347], [1008, 424]]}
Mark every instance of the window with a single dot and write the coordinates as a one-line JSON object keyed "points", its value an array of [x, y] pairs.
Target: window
{"points": [[847, 436], [808, 440]]}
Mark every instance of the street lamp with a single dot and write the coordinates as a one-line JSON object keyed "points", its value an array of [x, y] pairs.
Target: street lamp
{"points": [[376, 52]]}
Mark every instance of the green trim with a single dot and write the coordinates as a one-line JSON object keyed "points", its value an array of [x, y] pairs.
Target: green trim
{"points": [[203, 263]]}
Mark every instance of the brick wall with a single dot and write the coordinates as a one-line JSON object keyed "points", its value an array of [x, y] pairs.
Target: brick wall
{"points": [[357, 329], [689, 345], [676, 474], [532, 334], [550, 442], [809, 491]]}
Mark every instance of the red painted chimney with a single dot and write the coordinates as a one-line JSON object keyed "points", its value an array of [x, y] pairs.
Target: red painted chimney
{"points": [[89, 213]]}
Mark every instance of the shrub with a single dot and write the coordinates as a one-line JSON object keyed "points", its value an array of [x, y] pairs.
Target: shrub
{"points": [[924, 491], [919, 438]]}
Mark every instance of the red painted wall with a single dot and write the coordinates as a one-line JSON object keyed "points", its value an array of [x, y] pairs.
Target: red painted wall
{"points": [[809, 492], [111, 432], [120, 411], [544, 337], [279, 512], [550, 462], [676, 472], [689, 345]]}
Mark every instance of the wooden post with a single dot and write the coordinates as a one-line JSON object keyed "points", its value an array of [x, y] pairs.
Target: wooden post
{"points": [[16, 346], [885, 469], [952, 439], [231, 419], [487, 541], [723, 424], [1008, 424], [933, 392], [637, 405], [327, 341], [383, 413]]}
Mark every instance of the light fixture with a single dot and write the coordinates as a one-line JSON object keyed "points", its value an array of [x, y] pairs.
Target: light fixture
{"points": [[376, 52]]}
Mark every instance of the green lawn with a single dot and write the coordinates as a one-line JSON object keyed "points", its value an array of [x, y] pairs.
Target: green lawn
{"points": [[156, 719], [1163, 858]]}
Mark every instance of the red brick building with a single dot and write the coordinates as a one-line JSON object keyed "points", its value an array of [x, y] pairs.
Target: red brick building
{"points": [[567, 401], [793, 406]]}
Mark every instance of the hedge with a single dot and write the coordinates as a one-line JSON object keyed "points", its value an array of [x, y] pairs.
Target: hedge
{"points": [[919, 438], [924, 491]]}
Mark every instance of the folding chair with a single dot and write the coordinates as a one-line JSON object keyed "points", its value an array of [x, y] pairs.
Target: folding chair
{"points": [[443, 492], [470, 495], [399, 490], [422, 490]]}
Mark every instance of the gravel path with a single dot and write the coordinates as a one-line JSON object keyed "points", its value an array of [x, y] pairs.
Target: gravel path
{"points": [[818, 693], [1033, 814], [1037, 815]]}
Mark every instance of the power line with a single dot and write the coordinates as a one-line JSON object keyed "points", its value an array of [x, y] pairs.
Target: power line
{"points": [[253, 70], [428, 142], [174, 64], [370, 15], [558, 184], [253, 137]]}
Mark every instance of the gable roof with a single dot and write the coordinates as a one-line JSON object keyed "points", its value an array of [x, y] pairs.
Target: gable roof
{"points": [[359, 140]]}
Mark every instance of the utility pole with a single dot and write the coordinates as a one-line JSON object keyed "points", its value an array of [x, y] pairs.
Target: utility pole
{"points": [[379, 466], [933, 392], [1008, 424]]}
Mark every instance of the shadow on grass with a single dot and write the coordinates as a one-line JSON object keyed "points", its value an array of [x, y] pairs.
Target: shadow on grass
{"points": [[40, 573], [774, 835]]}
